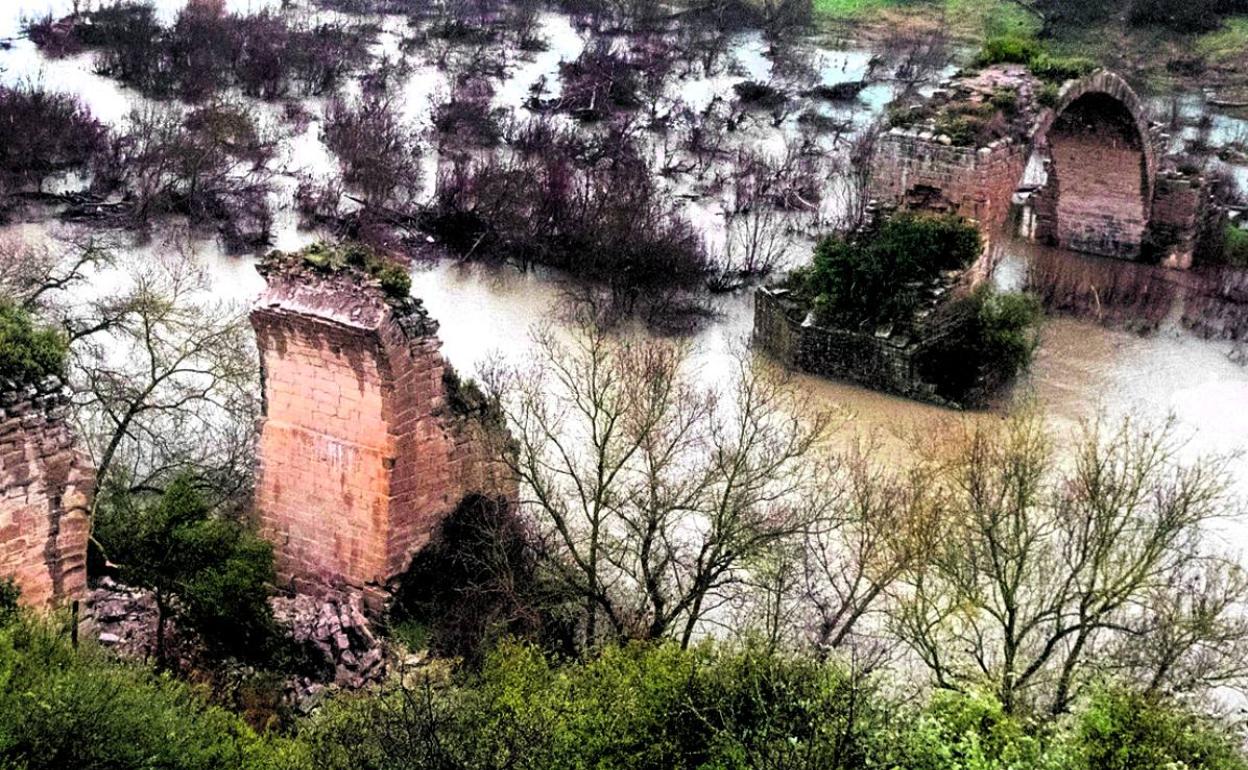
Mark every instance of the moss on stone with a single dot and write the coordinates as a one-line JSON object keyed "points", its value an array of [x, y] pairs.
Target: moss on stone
{"points": [[332, 258]]}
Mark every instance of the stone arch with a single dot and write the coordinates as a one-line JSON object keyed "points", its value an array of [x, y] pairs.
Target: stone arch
{"points": [[1101, 169]]}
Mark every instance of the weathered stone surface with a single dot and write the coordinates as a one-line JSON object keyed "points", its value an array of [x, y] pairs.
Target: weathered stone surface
{"points": [[1105, 192], [876, 361], [338, 630], [45, 488], [361, 453]]}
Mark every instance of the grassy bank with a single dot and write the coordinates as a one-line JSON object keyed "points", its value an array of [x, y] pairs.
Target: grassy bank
{"points": [[970, 20]]}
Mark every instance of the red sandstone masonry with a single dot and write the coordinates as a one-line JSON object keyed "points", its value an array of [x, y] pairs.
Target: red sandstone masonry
{"points": [[44, 497], [360, 455], [1106, 193]]}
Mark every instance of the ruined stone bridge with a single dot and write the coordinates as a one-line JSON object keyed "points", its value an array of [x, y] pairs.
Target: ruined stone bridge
{"points": [[1108, 188]]}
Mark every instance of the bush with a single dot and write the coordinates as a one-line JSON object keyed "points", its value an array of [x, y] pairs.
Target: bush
{"points": [[1011, 49], [956, 731], [881, 276], [42, 133], [207, 50], [560, 205], [1235, 252], [639, 707], [209, 571], [1008, 49], [64, 708], [990, 338], [376, 151], [28, 353], [477, 582], [10, 595], [1124, 730]]}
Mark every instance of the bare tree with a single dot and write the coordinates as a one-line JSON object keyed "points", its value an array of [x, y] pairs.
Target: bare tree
{"points": [[883, 527], [166, 380], [654, 495], [1045, 569]]}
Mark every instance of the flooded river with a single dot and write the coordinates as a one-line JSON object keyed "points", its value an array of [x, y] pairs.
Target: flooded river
{"points": [[1081, 369]]}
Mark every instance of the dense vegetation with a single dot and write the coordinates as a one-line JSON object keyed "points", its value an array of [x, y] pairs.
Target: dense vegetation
{"points": [[883, 275], [637, 707], [205, 569], [29, 351], [894, 277]]}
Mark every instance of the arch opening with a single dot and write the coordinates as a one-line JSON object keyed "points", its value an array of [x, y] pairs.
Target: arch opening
{"points": [[1098, 193]]}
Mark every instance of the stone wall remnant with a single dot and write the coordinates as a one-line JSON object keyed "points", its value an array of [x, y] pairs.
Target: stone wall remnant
{"points": [[1108, 190], [45, 488], [367, 441]]}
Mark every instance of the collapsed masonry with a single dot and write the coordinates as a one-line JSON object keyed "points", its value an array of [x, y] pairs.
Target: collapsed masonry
{"points": [[367, 440], [45, 486], [1106, 187]]}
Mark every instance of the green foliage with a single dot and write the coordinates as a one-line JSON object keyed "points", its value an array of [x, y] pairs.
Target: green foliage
{"points": [[1059, 69], [65, 708], [1008, 49], [971, 731], [1123, 730], [210, 571], [395, 281], [880, 277], [9, 596], [1235, 251], [641, 707], [991, 337], [28, 352], [1014, 49]]}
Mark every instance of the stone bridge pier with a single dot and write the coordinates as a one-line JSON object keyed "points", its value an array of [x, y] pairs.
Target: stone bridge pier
{"points": [[1108, 190], [45, 488], [366, 443]]}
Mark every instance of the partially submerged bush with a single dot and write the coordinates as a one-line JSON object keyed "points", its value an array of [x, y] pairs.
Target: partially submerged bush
{"points": [[43, 133], [208, 164], [606, 222], [28, 352], [988, 338], [207, 50], [376, 150], [600, 82]]}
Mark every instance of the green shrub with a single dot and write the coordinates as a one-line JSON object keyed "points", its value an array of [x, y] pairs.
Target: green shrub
{"points": [[28, 352], [636, 707], [1008, 49], [1059, 69], [208, 570], [880, 277], [965, 731], [1011, 49], [991, 337], [1123, 730], [1236, 247], [9, 596], [64, 708]]}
